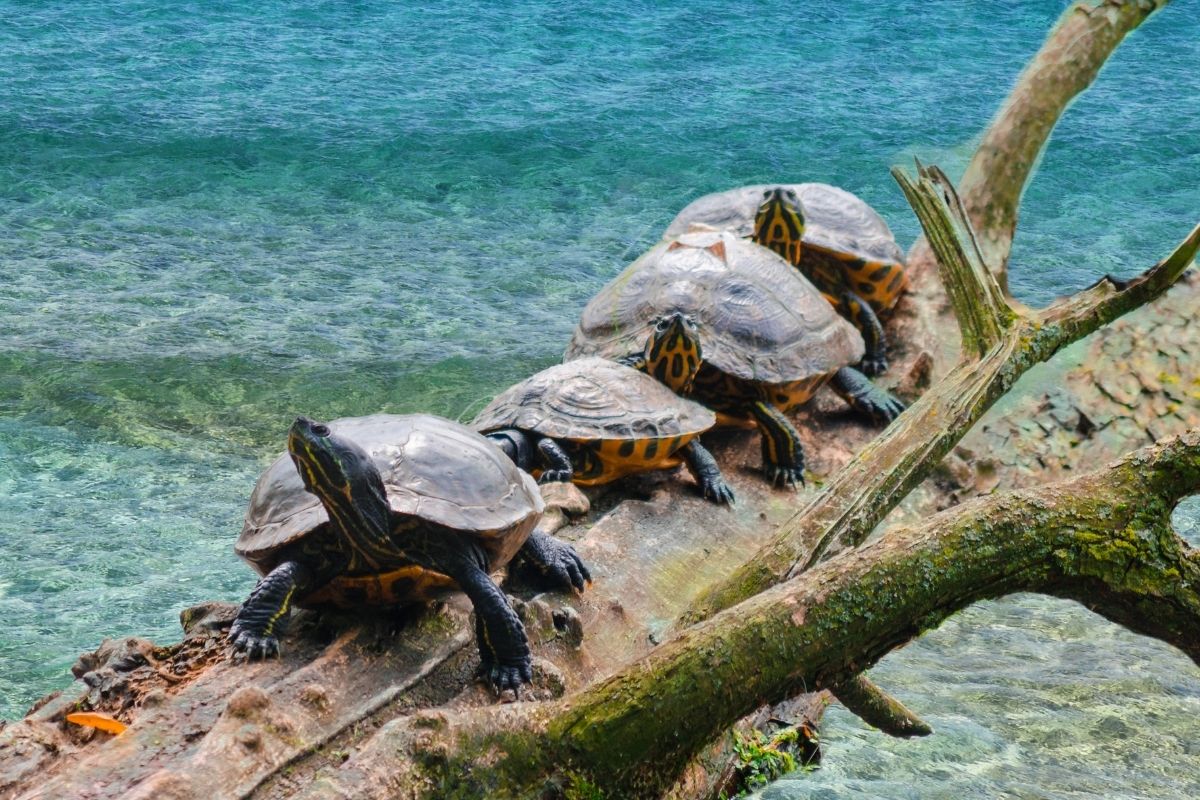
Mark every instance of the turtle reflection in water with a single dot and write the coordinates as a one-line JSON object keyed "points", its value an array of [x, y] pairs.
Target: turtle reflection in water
{"points": [[385, 510], [766, 338]]}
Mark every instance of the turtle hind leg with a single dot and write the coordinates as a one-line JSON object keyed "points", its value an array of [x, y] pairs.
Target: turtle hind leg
{"points": [[263, 618], [503, 646], [706, 472], [783, 454], [856, 389], [556, 561], [863, 316]]}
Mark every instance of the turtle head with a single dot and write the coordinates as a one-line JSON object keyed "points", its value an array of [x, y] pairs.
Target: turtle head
{"points": [[343, 477], [673, 351], [779, 223]]}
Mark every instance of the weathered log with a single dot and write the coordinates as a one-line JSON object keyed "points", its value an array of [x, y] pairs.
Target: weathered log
{"points": [[339, 678], [1104, 540]]}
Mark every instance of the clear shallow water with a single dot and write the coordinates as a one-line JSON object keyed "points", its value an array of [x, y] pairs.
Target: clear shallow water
{"points": [[212, 219]]}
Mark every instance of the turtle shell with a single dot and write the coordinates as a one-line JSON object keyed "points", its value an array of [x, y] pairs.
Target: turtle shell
{"points": [[833, 219], [758, 318], [432, 468], [594, 399]]}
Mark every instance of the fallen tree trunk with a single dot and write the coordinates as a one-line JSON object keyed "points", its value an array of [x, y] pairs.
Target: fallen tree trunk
{"points": [[1104, 540]]}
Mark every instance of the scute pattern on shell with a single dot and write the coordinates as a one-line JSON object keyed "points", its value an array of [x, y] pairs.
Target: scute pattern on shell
{"points": [[592, 399], [833, 218], [432, 468], [759, 319]]}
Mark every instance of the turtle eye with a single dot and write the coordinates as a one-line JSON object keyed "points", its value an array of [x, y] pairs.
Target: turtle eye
{"points": [[321, 430]]}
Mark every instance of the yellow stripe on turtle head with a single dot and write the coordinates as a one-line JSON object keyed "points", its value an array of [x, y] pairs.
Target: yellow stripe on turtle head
{"points": [[779, 223], [673, 352]]}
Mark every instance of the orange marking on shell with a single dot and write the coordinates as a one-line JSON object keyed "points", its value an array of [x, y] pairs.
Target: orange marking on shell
{"points": [[717, 249], [94, 719], [380, 589]]}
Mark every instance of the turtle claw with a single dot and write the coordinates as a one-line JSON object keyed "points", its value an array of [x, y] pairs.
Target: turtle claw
{"points": [[873, 365], [788, 477], [884, 407], [507, 677], [254, 646], [557, 562], [876, 404], [555, 476], [566, 570], [718, 491], [511, 678]]}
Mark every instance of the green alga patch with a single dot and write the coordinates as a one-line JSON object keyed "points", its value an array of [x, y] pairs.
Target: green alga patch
{"points": [[762, 759]]}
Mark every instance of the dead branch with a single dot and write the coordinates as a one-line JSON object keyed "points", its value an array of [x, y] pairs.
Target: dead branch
{"points": [[878, 709]]}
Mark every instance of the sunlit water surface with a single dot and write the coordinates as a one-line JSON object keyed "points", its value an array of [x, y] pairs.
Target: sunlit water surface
{"points": [[212, 219]]}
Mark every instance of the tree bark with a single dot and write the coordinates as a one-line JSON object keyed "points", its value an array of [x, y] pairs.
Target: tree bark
{"points": [[1104, 540]]}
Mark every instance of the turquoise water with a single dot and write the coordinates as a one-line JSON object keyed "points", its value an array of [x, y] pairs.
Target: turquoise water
{"points": [[214, 218]]}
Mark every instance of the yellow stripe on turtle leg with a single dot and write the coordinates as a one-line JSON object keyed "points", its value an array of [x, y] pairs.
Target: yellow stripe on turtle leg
{"points": [[284, 608], [783, 454], [862, 315]]}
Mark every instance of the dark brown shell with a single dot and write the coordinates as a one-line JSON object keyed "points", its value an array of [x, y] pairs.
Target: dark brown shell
{"points": [[833, 218], [432, 468], [592, 399], [759, 319]]}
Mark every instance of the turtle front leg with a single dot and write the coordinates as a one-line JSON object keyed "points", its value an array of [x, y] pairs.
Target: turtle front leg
{"points": [[863, 317], [263, 617], [783, 454], [557, 463], [557, 561], [878, 405], [706, 472], [503, 646], [516, 445]]}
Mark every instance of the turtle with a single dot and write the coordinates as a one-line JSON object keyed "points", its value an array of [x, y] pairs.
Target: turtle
{"points": [[834, 238], [767, 340], [389, 509], [592, 421]]}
